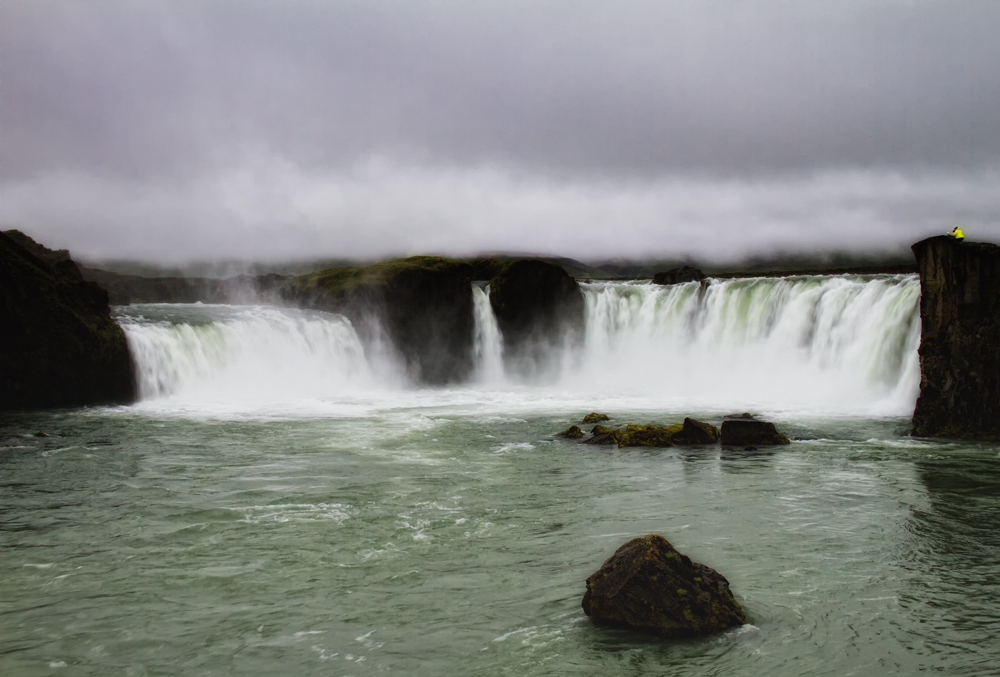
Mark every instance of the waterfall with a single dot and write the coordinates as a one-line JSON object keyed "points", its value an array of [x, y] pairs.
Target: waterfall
{"points": [[488, 343], [821, 344], [241, 352], [820, 341]]}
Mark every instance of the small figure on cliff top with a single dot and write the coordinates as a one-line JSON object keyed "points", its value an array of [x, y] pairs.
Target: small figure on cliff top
{"points": [[957, 234]]}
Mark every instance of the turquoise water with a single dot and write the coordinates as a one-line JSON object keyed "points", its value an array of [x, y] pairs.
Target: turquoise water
{"points": [[456, 538]]}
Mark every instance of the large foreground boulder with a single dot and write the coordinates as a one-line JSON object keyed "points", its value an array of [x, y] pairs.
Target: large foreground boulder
{"points": [[960, 335], [58, 343], [647, 585], [538, 306], [422, 303], [745, 432]]}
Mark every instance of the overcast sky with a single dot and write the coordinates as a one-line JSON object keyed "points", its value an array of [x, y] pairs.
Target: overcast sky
{"points": [[172, 132]]}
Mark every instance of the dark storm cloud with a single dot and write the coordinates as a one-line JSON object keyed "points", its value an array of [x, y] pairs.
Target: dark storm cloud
{"points": [[172, 131], [580, 87]]}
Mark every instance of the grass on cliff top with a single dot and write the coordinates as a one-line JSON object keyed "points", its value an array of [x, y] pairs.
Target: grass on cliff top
{"points": [[335, 280]]}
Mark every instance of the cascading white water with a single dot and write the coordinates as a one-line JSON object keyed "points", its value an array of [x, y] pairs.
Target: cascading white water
{"points": [[488, 342], [824, 345], [820, 343], [241, 353]]}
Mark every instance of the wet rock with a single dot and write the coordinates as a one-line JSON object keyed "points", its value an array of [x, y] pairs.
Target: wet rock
{"points": [[679, 276], [742, 433], [422, 304], [41, 434], [648, 586], [696, 432], [594, 417], [648, 435], [745, 414], [58, 343], [538, 306], [600, 434], [749, 448], [960, 331], [573, 432]]}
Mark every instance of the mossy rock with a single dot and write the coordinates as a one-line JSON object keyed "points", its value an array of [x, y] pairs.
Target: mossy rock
{"points": [[696, 432], [648, 586], [573, 432], [594, 417], [636, 435]]}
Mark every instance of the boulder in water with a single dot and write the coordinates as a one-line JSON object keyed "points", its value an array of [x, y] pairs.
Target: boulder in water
{"points": [[647, 585], [648, 435], [636, 435], [573, 432], [960, 331], [679, 276], [58, 344], [594, 417], [696, 432], [743, 433], [600, 434]]}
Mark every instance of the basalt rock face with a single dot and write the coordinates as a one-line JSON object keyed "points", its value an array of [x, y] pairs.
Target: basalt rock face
{"points": [[679, 276], [538, 306], [59, 345], [960, 339], [423, 304], [647, 585]]}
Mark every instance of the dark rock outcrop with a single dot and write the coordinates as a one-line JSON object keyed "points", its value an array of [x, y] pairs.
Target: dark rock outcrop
{"points": [[573, 432], [696, 432], [647, 585], [679, 276], [538, 306], [960, 339], [635, 435], [422, 303], [594, 417], [59, 345], [747, 432]]}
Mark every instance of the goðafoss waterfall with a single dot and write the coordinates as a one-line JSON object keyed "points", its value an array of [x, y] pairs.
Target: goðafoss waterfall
{"points": [[823, 344]]}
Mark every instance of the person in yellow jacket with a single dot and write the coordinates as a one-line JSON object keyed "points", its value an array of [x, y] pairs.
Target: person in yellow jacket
{"points": [[957, 234]]}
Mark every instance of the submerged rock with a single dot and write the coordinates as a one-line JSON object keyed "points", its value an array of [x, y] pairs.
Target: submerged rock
{"points": [[960, 331], [647, 585], [58, 343], [573, 432], [679, 276], [742, 433], [745, 414], [594, 417]]}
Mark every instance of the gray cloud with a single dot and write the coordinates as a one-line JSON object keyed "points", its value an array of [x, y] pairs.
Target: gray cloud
{"points": [[154, 106]]}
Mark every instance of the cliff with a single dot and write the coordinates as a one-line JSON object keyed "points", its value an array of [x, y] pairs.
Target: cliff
{"points": [[538, 306], [960, 339], [59, 345], [422, 303]]}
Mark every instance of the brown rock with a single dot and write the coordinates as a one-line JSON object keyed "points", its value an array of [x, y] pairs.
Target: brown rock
{"points": [[745, 432], [647, 585]]}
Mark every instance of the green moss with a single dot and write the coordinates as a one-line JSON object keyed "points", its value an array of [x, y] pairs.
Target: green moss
{"points": [[594, 417]]}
